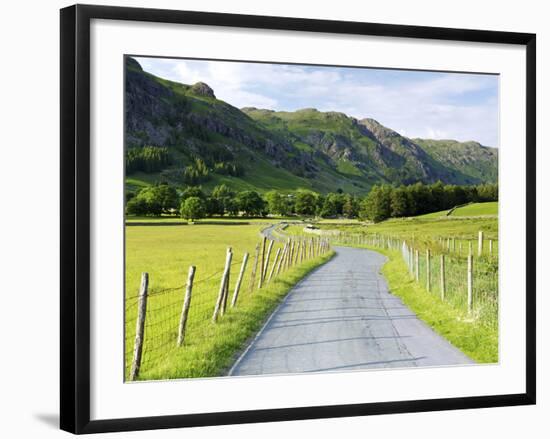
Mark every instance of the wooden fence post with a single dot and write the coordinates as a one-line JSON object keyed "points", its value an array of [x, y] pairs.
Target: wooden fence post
{"points": [[225, 278], [297, 251], [417, 265], [428, 274], [261, 279], [406, 258], [470, 283], [239, 280], [140, 326], [283, 254], [480, 243], [254, 268], [266, 265], [186, 304], [287, 256], [442, 277], [469, 247], [274, 264]]}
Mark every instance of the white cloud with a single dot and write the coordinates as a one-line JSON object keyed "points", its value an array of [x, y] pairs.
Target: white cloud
{"points": [[437, 106]]}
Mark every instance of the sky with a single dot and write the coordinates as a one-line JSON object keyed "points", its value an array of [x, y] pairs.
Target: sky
{"points": [[433, 105]]}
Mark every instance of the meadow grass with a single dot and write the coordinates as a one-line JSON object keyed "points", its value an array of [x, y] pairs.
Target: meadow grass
{"points": [[166, 252], [472, 209], [421, 227], [442, 214], [432, 233], [214, 220], [477, 209], [338, 221]]}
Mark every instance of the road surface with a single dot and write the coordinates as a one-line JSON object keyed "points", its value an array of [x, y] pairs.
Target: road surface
{"points": [[342, 317]]}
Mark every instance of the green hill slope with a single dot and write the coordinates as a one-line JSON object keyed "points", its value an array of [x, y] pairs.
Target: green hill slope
{"points": [[199, 139], [469, 210], [473, 160]]}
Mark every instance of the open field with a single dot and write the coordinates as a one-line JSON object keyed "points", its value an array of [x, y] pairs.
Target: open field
{"points": [[435, 233], [337, 221], [472, 210], [215, 220], [166, 252], [477, 209]]}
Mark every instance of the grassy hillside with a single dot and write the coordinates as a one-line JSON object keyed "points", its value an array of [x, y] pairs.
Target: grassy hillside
{"points": [[477, 209], [473, 209], [262, 149], [473, 160]]}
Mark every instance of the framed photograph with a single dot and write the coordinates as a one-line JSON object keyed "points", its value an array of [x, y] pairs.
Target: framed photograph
{"points": [[273, 218]]}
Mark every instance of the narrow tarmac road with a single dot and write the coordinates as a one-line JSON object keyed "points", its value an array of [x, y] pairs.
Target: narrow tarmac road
{"points": [[342, 317]]}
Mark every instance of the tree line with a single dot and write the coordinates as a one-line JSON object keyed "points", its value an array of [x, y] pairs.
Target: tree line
{"points": [[150, 159], [381, 203], [386, 201], [147, 159]]}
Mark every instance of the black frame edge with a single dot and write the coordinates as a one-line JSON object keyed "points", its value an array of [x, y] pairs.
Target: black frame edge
{"points": [[303, 413], [303, 24], [75, 216], [75, 219], [68, 388], [531, 218]]}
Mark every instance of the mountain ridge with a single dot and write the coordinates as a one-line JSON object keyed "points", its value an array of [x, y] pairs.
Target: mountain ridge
{"points": [[307, 148]]}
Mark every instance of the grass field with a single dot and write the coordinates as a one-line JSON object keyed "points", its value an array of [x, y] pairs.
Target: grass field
{"points": [[427, 232], [166, 252], [472, 210], [477, 209], [216, 220]]}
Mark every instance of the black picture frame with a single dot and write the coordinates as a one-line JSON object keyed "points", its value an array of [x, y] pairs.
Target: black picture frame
{"points": [[75, 217]]}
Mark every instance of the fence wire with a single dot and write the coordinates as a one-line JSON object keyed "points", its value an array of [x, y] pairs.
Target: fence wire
{"points": [[164, 305], [451, 285]]}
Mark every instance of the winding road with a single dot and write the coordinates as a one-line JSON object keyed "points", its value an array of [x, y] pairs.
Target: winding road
{"points": [[342, 317]]}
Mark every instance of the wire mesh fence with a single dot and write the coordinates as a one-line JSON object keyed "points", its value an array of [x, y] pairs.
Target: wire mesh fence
{"points": [[184, 315], [466, 282], [462, 272]]}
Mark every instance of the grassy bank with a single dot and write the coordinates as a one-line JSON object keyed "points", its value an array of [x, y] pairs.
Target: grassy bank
{"points": [[478, 341]]}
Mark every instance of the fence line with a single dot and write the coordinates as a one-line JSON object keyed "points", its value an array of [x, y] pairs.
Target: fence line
{"points": [[467, 281], [160, 321]]}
